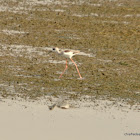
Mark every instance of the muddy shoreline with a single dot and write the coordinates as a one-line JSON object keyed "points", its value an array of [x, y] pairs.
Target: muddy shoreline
{"points": [[109, 30]]}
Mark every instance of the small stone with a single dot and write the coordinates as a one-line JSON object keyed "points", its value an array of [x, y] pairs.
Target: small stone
{"points": [[52, 107]]}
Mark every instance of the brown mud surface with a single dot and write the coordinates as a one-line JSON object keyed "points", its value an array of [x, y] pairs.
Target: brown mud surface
{"points": [[110, 30]]}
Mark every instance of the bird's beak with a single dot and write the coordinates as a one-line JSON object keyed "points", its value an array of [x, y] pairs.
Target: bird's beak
{"points": [[49, 52]]}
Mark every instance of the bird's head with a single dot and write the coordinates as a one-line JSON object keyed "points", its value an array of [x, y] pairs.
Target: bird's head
{"points": [[56, 50]]}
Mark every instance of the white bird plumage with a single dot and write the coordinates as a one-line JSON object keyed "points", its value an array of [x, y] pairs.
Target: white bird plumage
{"points": [[67, 54]]}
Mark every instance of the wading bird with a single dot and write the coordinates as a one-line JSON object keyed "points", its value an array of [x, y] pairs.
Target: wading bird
{"points": [[67, 54]]}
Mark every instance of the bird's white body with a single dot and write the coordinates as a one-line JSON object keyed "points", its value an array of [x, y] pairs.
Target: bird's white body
{"points": [[67, 54]]}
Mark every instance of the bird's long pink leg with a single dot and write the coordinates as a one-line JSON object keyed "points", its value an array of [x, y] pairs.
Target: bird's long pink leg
{"points": [[64, 69], [76, 67]]}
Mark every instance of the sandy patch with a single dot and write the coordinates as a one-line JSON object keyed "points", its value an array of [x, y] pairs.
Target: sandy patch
{"points": [[22, 120], [12, 32]]}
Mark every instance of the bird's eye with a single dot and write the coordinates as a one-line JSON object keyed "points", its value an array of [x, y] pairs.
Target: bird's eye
{"points": [[53, 48]]}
